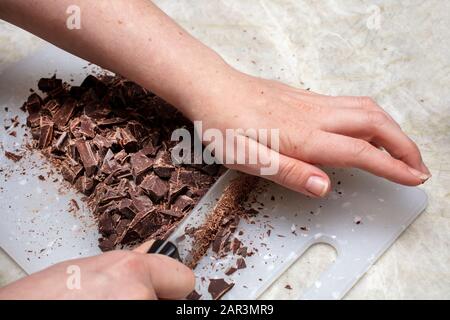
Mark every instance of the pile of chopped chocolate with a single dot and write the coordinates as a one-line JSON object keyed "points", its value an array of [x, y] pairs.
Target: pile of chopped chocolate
{"points": [[111, 139]]}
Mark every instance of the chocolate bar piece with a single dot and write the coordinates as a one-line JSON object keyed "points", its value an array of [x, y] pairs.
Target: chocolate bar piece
{"points": [[87, 156], [155, 187], [218, 287], [140, 164], [63, 115], [46, 135]]}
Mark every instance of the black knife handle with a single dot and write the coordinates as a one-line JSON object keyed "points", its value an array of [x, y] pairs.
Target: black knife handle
{"points": [[166, 248]]}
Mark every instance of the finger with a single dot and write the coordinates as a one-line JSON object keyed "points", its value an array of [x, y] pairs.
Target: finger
{"points": [[144, 247], [171, 279], [374, 126], [365, 103], [336, 150], [288, 172]]}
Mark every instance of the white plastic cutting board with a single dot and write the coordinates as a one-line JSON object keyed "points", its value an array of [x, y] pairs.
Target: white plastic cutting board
{"points": [[37, 230], [360, 218]]}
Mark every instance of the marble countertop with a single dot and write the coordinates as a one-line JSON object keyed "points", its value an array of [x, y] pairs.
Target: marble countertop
{"points": [[394, 51]]}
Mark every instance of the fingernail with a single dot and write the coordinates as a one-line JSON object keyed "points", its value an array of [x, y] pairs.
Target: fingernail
{"points": [[422, 176], [426, 170], [317, 186]]}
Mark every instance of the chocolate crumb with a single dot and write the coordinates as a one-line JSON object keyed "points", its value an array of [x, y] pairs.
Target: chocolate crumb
{"points": [[13, 156]]}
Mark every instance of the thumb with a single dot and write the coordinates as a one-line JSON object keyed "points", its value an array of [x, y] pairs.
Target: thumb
{"points": [[170, 278], [289, 172], [302, 177]]}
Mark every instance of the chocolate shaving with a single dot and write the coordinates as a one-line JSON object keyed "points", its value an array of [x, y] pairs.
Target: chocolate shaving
{"points": [[228, 204]]}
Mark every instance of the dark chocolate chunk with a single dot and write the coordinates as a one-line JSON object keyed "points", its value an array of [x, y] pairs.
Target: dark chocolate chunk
{"points": [[183, 203], [194, 295], [70, 171], [127, 209], [218, 287], [49, 84], [87, 127], [240, 263], [230, 271], [52, 106], [140, 164], [87, 155], [33, 104], [155, 187], [142, 203], [171, 213], [163, 165], [105, 244], [63, 115], [105, 223], [46, 135], [84, 185], [175, 191], [127, 140]]}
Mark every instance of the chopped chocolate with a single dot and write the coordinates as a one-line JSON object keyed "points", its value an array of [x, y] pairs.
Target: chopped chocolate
{"points": [[46, 134], [155, 187], [63, 115], [87, 156], [194, 295], [163, 166], [140, 164], [218, 287], [230, 271], [106, 225], [49, 84], [87, 127], [70, 171], [13, 156], [84, 185], [127, 209], [127, 140], [111, 140], [183, 203], [105, 244], [240, 263]]}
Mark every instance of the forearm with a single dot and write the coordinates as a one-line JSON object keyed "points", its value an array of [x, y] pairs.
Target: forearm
{"points": [[133, 38]]}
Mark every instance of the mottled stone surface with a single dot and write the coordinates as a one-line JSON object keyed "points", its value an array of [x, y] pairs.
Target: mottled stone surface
{"points": [[396, 52]]}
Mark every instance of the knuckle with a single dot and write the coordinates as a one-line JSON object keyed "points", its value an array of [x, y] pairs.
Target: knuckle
{"points": [[288, 172], [359, 148], [377, 118], [142, 292], [285, 172], [131, 262], [366, 102]]}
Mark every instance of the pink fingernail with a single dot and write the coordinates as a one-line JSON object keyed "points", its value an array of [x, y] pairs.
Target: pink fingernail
{"points": [[422, 176], [317, 186]]}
